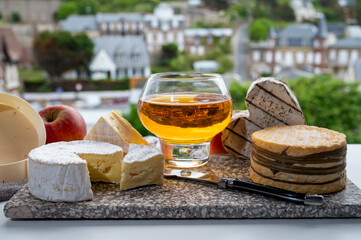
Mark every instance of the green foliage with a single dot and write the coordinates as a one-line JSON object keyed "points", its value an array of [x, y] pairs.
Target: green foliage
{"points": [[238, 93], [133, 118], [15, 17], [169, 51], [358, 12], [31, 75], [277, 10], [207, 24], [258, 30], [332, 10], [58, 52], [325, 101], [216, 4], [77, 7], [66, 9], [87, 7]]}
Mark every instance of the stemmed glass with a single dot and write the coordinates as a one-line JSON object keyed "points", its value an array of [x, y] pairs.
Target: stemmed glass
{"points": [[185, 111]]}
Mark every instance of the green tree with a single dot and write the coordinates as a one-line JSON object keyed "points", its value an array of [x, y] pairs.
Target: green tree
{"points": [[58, 52], [169, 51], [66, 9], [87, 7], [258, 30], [15, 17], [216, 4], [358, 11], [133, 118]]}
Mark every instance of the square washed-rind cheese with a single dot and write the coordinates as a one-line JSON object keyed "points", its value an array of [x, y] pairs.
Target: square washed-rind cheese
{"points": [[115, 129], [59, 172], [143, 165]]}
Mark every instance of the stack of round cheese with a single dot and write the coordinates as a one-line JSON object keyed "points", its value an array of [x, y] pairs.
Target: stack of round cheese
{"points": [[299, 158]]}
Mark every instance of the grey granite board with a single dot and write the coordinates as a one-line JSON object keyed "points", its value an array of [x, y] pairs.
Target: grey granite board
{"points": [[178, 199]]}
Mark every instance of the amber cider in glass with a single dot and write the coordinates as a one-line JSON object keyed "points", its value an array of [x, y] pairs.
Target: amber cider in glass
{"points": [[187, 118]]}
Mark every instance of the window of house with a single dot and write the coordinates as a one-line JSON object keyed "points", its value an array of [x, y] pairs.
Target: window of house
{"points": [[134, 71], [150, 37], [180, 37], [159, 38], [175, 23], [196, 40], [310, 57], [170, 37], [142, 71], [354, 55], [210, 39], [305, 42], [318, 58], [343, 57], [256, 56], [289, 59], [193, 49], [332, 55], [200, 50], [135, 56], [300, 57], [284, 42], [278, 57], [268, 56]]}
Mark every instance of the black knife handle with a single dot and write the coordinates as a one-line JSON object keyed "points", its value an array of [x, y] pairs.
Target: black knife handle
{"points": [[278, 193]]}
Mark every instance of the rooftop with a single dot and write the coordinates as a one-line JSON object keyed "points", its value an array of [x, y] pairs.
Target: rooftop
{"points": [[125, 51], [347, 43]]}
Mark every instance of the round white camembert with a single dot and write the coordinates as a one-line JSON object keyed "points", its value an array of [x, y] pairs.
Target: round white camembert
{"points": [[59, 172]]}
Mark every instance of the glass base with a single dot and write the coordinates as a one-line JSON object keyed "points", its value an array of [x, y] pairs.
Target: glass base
{"points": [[185, 155]]}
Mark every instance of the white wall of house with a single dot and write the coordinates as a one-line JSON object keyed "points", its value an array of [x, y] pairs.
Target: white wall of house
{"points": [[11, 76], [102, 66]]}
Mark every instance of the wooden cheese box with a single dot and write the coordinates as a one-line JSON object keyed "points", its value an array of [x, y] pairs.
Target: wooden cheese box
{"points": [[180, 199]]}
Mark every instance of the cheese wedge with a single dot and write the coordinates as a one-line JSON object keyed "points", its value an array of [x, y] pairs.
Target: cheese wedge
{"points": [[59, 171], [143, 165], [115, 129]]}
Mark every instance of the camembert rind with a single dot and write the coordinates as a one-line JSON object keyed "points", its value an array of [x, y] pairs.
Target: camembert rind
{"points": [[143, 165], [115, 129], [58, 171]]}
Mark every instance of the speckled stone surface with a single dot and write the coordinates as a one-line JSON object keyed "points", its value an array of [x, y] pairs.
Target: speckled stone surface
{"points": [[178, 199]]}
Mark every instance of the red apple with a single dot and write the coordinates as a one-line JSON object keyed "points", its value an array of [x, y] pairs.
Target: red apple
{"points": [[63, 123], [217, 146]]}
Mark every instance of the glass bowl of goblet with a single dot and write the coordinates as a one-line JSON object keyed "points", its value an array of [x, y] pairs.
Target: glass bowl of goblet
{"points": [[185, 111]]}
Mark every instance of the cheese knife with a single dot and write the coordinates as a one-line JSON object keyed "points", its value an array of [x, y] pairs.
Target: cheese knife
{"points": [[229, 183]]}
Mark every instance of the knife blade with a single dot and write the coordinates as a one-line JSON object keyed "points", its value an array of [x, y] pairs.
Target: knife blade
{"points": [[230, 183]]}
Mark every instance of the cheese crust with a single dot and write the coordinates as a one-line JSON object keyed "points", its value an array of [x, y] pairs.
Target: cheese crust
{"points": [[298, 140]]}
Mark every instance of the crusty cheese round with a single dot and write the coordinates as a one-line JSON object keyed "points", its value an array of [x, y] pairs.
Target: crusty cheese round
{"points": [[298, 140], [299, 158]]}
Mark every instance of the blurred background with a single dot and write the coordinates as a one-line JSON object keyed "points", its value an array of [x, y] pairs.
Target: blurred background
{"points": [[95, 55]]}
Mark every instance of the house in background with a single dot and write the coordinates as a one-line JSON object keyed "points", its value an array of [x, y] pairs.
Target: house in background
{"points": [[303, 10], [116, 57], [342, 55], [163, 26], [299, 46], [200, 40], [10, 56], [104, 24]]}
